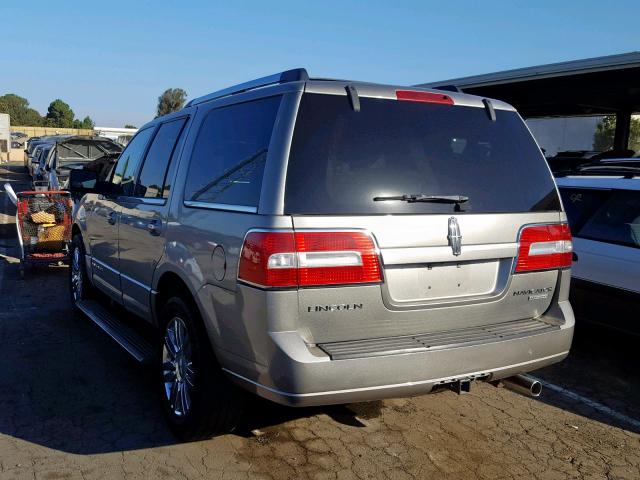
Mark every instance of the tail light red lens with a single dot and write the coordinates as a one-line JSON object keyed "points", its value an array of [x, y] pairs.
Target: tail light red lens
{"points": [[544, 247], [288, 259], [424, 97]]}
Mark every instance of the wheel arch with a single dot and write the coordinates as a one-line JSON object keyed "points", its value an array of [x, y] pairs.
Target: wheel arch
{"points": [[170, 283]]}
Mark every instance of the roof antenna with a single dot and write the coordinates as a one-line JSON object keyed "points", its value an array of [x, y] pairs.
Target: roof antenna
{"points": [[352, 93], [488, 107]]}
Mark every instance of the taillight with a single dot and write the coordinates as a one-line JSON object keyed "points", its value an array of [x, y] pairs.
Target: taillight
{"points": [[424, 97], [267, 259], [544, 247], [288, 259]]}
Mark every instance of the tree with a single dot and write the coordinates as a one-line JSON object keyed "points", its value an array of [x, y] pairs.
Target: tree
{"points": [[128, 125], [88, 123], [606, 130], [59, 114], [171, 100], [19, 111], [634, 133]]}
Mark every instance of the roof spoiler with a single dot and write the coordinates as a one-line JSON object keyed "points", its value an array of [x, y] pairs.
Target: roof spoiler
{"points": [[448, 88], [295, 75]]}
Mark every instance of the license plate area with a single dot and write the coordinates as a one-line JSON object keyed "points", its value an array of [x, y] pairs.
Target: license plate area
{"points": [[442, 281]]}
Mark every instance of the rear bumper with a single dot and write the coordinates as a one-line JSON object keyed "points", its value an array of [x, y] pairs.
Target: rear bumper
{"points": [[298, 375]]}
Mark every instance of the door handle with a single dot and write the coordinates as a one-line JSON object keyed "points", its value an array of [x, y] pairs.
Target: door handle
{"points": [[111, 218], [153, 227]]}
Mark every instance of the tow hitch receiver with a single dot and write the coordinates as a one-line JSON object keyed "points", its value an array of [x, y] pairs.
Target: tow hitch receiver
{"points": [[461, 386]]}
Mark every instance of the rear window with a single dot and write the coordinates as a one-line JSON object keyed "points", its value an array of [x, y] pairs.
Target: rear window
{"points": [[613, 218], [581, 203], [341, 159]]}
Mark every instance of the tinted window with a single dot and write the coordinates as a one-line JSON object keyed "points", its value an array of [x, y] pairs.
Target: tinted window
{"points": [[44, 154], [581, 203], [616, 221], [230, 152], [129, 161], [152, 182], [341, 159]]}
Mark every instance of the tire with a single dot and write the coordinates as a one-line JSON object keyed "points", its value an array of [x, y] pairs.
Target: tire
{"points": [[80, 287], [212, 404]]}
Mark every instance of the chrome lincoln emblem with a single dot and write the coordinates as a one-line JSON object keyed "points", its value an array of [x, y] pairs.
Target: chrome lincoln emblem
{"points": [[455, 239]]}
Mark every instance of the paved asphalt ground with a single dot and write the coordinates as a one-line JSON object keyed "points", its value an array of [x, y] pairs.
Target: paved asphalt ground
{"points": [[73, 405]]}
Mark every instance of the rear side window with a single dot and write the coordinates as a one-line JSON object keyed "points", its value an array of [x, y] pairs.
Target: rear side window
{"points": [[616, 221], [341, 159], [230, 152], [154, 179], [129, 161], [581, 203]]}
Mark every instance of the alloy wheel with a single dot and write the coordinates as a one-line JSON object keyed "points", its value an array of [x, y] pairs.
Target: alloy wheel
{"points": [[177, 367], [76, 274]]}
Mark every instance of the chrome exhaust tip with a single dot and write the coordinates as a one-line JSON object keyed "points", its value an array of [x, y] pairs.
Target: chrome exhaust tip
{"points": [[523, 384]]}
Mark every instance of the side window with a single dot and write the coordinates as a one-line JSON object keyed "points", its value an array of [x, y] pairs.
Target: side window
{"points": [[153, 176], [616, 221], [230, 153], [581, 203], [129, 161]]}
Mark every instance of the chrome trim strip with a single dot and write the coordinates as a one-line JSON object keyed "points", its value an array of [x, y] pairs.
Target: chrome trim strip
{"points": [[154, 201], [132, 280], [93, 259], [441, 253], [136, 282], [221, 206]]}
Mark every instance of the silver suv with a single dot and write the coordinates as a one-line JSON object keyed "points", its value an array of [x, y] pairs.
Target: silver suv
{"points": [[317, 241]]}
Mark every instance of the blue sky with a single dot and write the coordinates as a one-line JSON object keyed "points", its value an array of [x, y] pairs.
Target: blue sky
{"points": [[111, 60]]}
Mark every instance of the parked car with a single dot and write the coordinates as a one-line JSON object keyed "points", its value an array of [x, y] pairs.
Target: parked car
{"points": [[73, 153], [603, 205], [319, 242], [32, 143], [38, 160], [18, 139]]}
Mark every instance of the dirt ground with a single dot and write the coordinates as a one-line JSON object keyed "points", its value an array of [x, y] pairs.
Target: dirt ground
{"points": [[73, 405]]}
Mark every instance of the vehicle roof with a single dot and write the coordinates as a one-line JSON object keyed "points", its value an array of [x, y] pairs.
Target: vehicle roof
{"points": [[378, 90], [299, 80], [604, 182]]}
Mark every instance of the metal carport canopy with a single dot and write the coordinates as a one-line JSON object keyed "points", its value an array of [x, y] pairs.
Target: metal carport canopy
{"points": [[603, 85]]}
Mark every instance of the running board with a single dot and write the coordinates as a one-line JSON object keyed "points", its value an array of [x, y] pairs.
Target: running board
{"points": [[133, 342]]}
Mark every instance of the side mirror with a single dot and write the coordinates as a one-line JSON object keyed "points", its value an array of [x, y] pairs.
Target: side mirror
{"points": [[83, 181]]}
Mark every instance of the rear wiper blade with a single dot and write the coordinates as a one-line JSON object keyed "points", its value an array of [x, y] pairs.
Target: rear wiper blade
{"points": [[457, 199]]}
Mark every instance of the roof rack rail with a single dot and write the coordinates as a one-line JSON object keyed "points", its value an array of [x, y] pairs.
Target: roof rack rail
{"points": [[297, 74]]}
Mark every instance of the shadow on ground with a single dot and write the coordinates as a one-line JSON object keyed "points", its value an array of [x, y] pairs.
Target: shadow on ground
{"points": [[603, 367]]}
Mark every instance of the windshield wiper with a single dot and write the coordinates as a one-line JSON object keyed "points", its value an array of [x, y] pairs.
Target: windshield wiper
{"points": [[457, 199]]}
